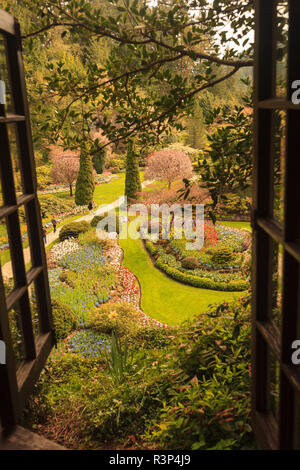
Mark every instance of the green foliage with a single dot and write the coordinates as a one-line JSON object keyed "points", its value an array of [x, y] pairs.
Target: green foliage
{"points": [[190, 262], [119, 360], [51, 205], [73, 229], [16, 334], [202, 282], [132, 180], [123, 60], [151, 338], [120, 317], [222, 255], [95, 220], [194, 276], [209, 411], [43, 176], [85, 184], [90, 238], [118, 163], [99, 161], [65, 320], [113, 222], [151, 247], [234, 205], [186, 388]]}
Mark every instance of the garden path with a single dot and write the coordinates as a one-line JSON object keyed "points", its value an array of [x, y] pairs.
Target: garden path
{"points": [[7, 271]]}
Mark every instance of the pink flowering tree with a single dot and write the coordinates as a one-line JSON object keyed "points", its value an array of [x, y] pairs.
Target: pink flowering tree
{"points": [[169, 165], [65, 169]]}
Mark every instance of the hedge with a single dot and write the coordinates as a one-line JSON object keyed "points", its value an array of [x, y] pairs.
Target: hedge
{"points": [[110, 216], [65, 320], [151, 247], [195, 281], [73, 229]]}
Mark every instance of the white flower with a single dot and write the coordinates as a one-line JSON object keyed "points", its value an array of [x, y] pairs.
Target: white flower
{"points": [[61, 249]]}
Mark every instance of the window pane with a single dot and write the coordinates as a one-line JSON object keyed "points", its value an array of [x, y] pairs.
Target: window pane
{"points": [[5, 87], [278, 164], [14, 154], [276, 300], [274, 384], [6, 266], [15, 326], [281, 48]]}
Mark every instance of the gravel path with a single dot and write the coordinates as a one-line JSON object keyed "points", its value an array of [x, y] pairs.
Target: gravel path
{"points": [[7, 268]]}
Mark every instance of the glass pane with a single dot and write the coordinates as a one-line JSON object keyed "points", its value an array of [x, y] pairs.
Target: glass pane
{"points": [[5, 87], [15, 326], [278, 165], [26, 247], [274, 384], [6, 266], [34, 309], [14, 154], [277, 256], [281, 48]]}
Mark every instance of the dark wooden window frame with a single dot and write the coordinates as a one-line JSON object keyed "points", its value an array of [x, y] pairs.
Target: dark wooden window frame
{"points": [[282, 431], [272, 432], [16, 382]]}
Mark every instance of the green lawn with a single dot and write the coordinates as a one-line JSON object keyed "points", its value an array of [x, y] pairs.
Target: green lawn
{"points": [[163, 298], [109, 192]]}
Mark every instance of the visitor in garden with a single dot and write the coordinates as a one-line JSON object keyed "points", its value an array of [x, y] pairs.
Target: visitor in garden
{"points": [[54, 223], [90, 206], [45, 235]]}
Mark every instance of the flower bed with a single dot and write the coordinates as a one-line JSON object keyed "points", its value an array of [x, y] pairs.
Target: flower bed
{"points": [[131, 292], [85, 282], [202, 282], [209, 274], [64, 248], [88, 343], [87, 257], [80, 299]]}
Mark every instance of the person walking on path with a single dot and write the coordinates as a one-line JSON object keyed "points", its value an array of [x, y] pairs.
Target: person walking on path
{"points": [[90, 206], [54, 223], [45, 235]]}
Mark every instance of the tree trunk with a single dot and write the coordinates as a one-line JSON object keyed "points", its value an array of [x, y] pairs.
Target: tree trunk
{"points": [[71, 190]]}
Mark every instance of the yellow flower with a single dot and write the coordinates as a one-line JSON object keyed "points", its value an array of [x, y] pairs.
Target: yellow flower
{"points": [[112, 315]]}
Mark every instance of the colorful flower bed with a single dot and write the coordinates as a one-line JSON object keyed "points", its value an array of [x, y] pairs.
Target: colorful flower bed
{"points": [[131, 291], [232, 237], [64, 248], [83, 282], [219, 265], [88, 257], [88, 343]]}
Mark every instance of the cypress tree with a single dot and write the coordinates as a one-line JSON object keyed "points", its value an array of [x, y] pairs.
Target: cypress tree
{"points": [[85, 184], [132, 179]]}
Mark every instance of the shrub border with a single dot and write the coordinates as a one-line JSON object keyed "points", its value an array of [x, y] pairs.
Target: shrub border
{"points": [[189, 279]]}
